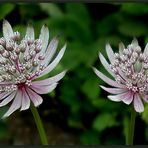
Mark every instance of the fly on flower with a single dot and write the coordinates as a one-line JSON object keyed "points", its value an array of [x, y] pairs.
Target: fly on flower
{"points": [[129, 70], [24, 60]]}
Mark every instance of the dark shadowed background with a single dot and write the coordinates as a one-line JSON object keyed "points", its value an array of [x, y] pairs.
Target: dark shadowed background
{"points": [[78, 111]]}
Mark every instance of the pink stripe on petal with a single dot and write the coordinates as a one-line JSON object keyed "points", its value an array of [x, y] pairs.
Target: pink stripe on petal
{"points": [[51, 49], [127, 98], [44, 36], [122, 75], [138, 105], [15, 105], [113, 90], [8, 99], [4, 95], [55, 62], [50, 80], [35, 98], [44, 89], [105, 64], [25, 100], [107, 80]]}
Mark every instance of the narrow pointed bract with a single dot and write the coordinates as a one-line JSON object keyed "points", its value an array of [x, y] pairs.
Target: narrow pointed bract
{"points": [[129, 70], [24, 60]]}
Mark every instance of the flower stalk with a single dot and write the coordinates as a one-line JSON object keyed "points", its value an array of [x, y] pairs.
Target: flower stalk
{"points": [[39, 125], [130, 134]]}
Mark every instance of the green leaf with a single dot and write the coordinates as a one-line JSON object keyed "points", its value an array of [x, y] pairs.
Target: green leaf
{"points": [[28, 10], [104, 104], [69, 95], [129, 28], [90, 137], [108, 25], [78, 11], [91, 88], [52, 9], [104, 121], [5, 9], [77, 28], [74, 54], [135, 9]]}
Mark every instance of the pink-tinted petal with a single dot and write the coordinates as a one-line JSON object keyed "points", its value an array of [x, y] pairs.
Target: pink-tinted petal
{"points": [[35, 98], [105, 64], [25, 100], [55, 62], [8, 99], [113, 90], [110, 53], [15, 105], [115, 98], [44, 89], [107, 80], [7, 30], [4, 95], [145, 98], [138, 105], [127, 98], [51, 49], [50, 80], [44, 36]]}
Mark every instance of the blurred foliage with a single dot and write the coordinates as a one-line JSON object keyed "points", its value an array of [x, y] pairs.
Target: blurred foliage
{"points": [[86, 28]]}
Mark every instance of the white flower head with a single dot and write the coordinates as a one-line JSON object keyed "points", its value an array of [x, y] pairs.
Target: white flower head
{"points": [[129, 69], [24, 60]]}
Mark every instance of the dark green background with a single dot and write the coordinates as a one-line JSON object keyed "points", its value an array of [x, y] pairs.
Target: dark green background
{"points": [[78, 108]]}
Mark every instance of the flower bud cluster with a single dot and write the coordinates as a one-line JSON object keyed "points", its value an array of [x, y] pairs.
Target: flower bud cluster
{"points": [[20, 60], [130, 68]]}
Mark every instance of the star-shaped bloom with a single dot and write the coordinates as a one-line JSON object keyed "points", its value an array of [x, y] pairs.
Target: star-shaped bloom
{"points": [[129, 71], [22, 61]]}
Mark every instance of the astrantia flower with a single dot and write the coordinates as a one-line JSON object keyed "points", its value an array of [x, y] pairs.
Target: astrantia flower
{"points": [[24, 60], [129, 69]]}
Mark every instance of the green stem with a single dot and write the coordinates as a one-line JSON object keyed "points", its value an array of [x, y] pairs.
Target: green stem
{"points": [[39, 125], [130, 134]]}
